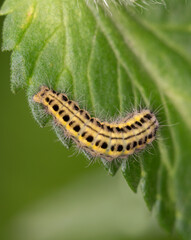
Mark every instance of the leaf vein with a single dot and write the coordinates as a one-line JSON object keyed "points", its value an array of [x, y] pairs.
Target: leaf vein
{"points": [[40, 52], [26, 26], [120, 97], [88, 69]]}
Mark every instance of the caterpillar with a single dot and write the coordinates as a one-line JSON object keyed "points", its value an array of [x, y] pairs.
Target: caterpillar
{"points": [[110, 141]]}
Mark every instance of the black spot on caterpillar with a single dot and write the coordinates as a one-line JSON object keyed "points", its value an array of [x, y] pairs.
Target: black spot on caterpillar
{"points": [[100, 139]]}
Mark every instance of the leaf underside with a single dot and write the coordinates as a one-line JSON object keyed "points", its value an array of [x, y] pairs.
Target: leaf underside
{"points": [[111, 61]]}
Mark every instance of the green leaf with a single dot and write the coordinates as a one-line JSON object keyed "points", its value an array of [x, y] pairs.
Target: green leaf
{"points": [[112, 167], [131, 170], [110, 60]]}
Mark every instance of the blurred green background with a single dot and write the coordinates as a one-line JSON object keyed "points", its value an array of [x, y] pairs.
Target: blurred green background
{"points": [[50, 193]]}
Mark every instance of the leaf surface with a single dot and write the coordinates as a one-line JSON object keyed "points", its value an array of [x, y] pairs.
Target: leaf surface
{"points": [[110, 61]]}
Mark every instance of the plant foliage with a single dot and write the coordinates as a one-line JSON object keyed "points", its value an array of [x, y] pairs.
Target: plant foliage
{"points": [[111, 57]]}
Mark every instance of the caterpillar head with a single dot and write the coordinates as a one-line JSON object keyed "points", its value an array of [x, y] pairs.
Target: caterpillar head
{"points": [[40, 95]]}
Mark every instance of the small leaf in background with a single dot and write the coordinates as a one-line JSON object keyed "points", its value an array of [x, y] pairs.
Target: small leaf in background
{"points": [[109, 58]]}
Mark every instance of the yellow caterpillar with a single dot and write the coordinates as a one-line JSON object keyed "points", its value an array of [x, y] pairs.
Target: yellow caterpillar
{"points": [[100, 139]]}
